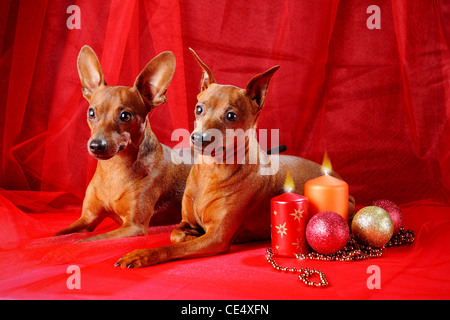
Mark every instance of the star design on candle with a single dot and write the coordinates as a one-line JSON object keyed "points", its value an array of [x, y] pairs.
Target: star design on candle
{"points": [[274, 212], [282, 229], [297, 244], [297, 214]]}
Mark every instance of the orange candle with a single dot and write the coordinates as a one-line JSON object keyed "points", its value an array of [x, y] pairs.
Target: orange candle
{"points": [[327, 193]]}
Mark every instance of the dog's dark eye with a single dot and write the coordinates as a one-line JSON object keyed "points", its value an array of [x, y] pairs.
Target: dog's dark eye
{"points": [[91, 114], [232, 117], [125, 116], [198, 110]]}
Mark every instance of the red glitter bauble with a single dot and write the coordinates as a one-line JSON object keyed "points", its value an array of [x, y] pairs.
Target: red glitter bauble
{"points": [[393, 210], [327, 232]]}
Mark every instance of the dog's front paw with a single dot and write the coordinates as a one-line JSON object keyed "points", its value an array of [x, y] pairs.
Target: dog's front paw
{"points": [[138, 259]]}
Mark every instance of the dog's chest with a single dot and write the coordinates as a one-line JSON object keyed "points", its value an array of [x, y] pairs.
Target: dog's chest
{"points": [[118, 192], [212, 197]]}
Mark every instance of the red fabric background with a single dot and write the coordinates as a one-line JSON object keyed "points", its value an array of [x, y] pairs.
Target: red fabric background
{"points": [[377, 100]]}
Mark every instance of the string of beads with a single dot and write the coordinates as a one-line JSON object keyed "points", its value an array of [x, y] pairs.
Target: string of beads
{"points": [[353, 251]]}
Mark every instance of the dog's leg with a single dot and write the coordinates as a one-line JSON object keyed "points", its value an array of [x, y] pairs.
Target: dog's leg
{"points": [[134, 222], [86, 223], [217, 239], [185, 232], [124, 231], [92, 213], [187, 229], [207, 245]]}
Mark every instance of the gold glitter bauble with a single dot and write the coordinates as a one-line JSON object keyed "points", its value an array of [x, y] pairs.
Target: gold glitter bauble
{"points": [[372, 226]]}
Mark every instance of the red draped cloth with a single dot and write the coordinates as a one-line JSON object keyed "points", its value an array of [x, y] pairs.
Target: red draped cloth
{"points": [[378, 100]]}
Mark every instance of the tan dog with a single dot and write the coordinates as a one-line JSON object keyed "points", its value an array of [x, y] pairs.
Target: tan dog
{"points": [[227, 202], [135, 176]]}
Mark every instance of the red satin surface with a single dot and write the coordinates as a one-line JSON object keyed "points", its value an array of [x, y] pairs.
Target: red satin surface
{"points": [[35, 267], [377, 100]]}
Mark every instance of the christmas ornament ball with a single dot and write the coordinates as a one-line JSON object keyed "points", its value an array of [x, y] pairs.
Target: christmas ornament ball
{"points": [[327, 232], [372, 226], [393, 210]]}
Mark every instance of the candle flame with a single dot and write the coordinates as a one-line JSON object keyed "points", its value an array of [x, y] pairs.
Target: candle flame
{"points": [[326, 163], [289, 182]]}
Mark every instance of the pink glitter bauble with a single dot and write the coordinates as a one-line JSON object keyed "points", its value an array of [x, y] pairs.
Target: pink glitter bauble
{"points": [[393, 210], [327, 232]]}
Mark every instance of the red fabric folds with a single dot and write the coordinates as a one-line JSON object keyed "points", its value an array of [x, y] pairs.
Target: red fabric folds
{"points": [[378, 100]]}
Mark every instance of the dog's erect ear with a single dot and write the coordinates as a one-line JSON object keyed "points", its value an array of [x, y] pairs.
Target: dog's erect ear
{"points": [[207, 76], [90, 71], [154, 79], [257, 86]]}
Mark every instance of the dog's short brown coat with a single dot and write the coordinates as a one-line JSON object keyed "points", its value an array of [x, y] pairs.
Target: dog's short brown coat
{"points": [[225, 203]]}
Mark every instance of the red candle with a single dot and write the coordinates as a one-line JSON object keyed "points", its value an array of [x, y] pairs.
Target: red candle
{"points": [[289, 216]]}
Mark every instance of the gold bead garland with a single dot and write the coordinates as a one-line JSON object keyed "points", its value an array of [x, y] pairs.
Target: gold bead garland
{"points": [[353, 251], [304, 273]]}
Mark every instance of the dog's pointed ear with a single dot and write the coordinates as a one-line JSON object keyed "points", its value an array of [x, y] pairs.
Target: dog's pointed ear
{"points": [[207, 76], [257, 86], [90, 71], [154, 79]]}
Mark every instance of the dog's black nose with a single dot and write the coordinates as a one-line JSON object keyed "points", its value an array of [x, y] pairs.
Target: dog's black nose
{"points": [[200, 139], [98, 146]]}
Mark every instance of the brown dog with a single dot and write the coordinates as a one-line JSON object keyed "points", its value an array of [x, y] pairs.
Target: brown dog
{"points": [[135, 176], [227, 202]]}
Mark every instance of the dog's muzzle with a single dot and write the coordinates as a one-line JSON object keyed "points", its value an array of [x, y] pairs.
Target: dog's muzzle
{"points": [[201, 139]]}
